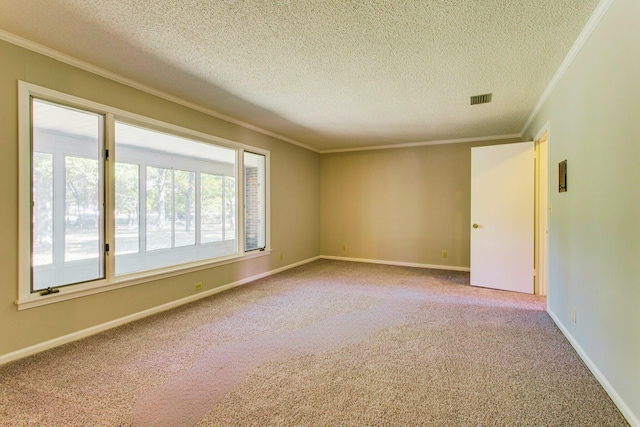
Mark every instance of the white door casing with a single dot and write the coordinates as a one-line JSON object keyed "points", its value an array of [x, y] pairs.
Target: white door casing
{"points": [[502, 217], [542, 210]]}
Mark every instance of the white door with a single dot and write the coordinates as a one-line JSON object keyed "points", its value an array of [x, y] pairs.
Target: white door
{"points": [[502, 216]]}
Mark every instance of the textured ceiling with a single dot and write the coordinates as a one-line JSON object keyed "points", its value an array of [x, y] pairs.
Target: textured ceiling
{"points": [[326, 73]]}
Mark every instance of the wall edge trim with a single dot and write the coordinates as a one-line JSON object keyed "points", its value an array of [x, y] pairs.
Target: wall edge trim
{"points": [[398, 263], [74, 336], [626, 411]]}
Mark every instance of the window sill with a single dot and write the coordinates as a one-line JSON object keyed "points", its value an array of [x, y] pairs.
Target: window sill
{"points": [[82, 290]]}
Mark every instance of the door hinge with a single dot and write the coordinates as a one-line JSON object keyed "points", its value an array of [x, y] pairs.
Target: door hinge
{"points": [[106, 248], [106, 155]]}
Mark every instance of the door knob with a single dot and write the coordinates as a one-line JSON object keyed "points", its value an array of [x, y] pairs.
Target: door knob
{"points": [[475, 225]]}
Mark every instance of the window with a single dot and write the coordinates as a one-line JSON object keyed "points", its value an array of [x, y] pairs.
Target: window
{"points": [[254, 194], [97, 181], [67, 196], [175, 199]]}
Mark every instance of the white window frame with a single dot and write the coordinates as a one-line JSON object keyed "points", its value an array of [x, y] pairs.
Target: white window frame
{"points": [[28, 299], [258, 248]]}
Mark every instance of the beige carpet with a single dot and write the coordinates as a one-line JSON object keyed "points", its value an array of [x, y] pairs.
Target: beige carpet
{"points": [[326, 344]]}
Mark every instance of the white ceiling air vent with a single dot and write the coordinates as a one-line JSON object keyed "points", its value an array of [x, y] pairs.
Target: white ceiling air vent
{"points": [[481, 99]]}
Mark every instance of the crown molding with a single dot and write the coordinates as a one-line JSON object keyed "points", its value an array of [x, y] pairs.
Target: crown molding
{"points": [[423, 143], [70, 60], [586, 32]]}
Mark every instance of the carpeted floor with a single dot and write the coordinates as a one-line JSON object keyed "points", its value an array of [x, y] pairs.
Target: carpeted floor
{"points": [[325, 344]]}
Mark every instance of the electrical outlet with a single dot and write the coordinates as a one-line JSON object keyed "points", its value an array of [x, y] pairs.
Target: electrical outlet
{"points": [[280, 256], [197, 287], [445, 254], [573, 315], [344, 248]]}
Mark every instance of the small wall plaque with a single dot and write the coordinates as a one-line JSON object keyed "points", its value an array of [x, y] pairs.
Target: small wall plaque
{"points": [[562, 176]]}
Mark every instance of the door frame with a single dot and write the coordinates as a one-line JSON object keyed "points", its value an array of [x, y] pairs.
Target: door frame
{"points": [[542, 211]]}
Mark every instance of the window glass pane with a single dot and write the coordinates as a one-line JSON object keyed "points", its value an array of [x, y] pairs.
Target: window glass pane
{"points": [[42, 208], [230, 231], [159, 208], [127, 208], [67, 230], [82, 209], [210, 208], [182, 198], [254, 193], [185, 200]]}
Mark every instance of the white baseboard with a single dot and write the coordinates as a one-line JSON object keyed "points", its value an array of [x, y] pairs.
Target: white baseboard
{"points": [[37, 348], [402, 264], [620, 403]]}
